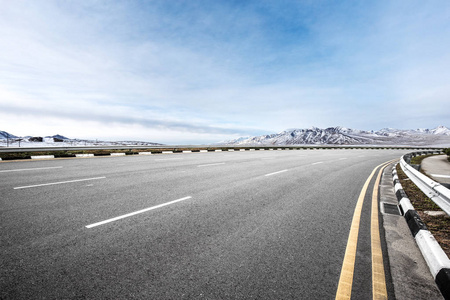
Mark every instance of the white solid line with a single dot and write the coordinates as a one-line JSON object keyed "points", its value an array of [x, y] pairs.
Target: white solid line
{"points": [[18, 170], [316, 163], [208, 165], [342, 158], [442, 176], [137, 212], [61, 182], [270, 174]]}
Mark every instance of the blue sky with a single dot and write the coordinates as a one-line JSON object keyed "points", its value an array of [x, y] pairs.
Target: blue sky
{"points": [[194, 72]]}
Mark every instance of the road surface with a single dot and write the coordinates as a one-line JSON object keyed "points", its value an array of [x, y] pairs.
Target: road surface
{"points": [[227, 225]]}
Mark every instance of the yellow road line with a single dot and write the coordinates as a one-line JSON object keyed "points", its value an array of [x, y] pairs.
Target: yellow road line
{"points": [[344, 290], [379, 290]]}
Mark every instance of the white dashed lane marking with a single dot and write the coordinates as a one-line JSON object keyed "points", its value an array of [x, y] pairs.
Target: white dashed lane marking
{"points": [[274, 173], [55, 183], [163, 159], [32, 169], [137, 212], [210, 165]]}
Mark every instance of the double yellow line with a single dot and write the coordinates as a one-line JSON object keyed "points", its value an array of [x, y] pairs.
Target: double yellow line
{"points": [[379, 290]]}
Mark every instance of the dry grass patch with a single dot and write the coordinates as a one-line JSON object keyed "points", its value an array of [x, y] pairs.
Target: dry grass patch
{"points": [[439, 226], [417, 160]]}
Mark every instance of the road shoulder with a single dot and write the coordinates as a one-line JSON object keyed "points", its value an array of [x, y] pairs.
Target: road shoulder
{"points": [[410, 274], [438, 168]]}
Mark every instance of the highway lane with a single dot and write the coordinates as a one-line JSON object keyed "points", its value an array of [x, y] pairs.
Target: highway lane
{"points": [[242, 234]]}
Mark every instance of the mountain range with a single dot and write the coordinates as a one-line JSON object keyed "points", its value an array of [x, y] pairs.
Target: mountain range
{"points": [[11, 140], [439, 136], [6, 135]]}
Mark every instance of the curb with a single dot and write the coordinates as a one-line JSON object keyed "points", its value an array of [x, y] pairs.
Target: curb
{"points": [[145, 153], [435, 257], [42, 157], [84, 155]]}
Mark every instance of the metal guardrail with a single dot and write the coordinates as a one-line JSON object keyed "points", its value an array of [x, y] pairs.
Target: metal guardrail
{"points": [[438, 193]]}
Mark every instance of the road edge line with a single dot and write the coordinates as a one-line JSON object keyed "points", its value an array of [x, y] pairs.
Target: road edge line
{"points": [[379, 289]]}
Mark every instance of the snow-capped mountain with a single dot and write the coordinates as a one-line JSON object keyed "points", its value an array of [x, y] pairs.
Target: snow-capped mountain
{"points": [[441, 130], [58, 136], [314, 135], [347, 136], [5, 135]]}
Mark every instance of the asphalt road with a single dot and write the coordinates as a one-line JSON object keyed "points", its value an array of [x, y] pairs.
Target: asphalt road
{"points": [[246, 225]]}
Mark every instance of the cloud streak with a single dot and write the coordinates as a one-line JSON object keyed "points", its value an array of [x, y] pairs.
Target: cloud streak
{"points": [[87, 115]]}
